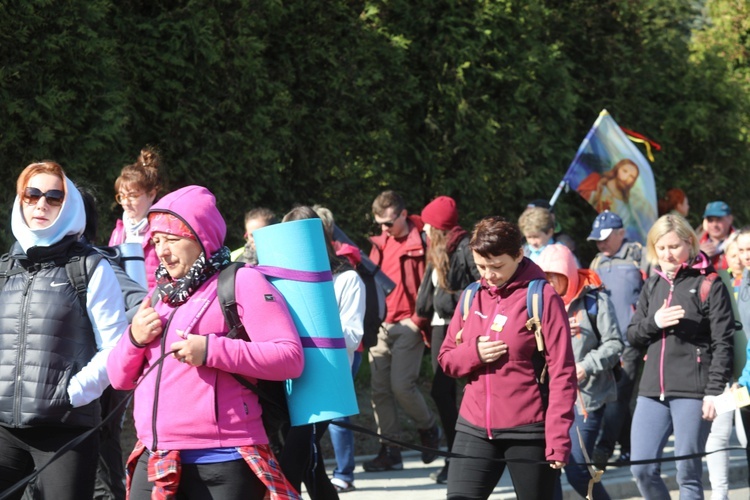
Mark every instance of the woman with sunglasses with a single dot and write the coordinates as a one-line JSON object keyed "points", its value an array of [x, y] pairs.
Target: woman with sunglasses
{"points": [[136, 189], [53, 345]]}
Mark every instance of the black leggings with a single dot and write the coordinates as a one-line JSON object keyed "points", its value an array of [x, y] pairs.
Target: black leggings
{"points": [[69, 477], [226, 480], [443, 388], [476, 477], [302, 461]]}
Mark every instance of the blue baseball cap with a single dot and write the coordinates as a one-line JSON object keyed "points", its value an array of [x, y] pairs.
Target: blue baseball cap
{"points": [[604, 224], [717, 209]]}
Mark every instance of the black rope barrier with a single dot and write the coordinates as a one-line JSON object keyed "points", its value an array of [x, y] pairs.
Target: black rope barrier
{"points": [[354, 428]]}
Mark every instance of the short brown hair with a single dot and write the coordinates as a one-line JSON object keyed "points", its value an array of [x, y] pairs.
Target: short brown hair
{"points": [[388, 199], [262, 213], [494, 236]]}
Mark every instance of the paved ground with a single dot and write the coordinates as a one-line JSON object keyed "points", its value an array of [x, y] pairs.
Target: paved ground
{"points": [[413, 483]]}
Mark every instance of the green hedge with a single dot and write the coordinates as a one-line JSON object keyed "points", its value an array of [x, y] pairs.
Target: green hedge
{"points": [[274, 103]]}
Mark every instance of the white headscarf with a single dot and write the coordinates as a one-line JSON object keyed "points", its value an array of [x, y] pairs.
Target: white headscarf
{"points": [[70, 220]]}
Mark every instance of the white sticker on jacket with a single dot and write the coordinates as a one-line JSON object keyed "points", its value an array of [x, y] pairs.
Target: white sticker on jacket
{"points": [[499, 321]]}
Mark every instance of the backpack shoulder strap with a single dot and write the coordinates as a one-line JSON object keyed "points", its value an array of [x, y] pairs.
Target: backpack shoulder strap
{"points": [[592, 309], [706, 286], [468, 297], [535, 309], [5, 264], [595, 263], [79, 269], [228, 301]]}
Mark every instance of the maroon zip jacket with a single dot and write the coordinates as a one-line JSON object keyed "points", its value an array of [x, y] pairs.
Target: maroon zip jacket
{"points": [[505, 394]]}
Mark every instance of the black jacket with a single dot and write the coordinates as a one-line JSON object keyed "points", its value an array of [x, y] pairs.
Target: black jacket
{"points": [[693, 358], [45, 338], [461, 272]]}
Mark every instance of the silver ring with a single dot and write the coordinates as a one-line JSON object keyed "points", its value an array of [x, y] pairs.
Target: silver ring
{"points": [[182, 360]]}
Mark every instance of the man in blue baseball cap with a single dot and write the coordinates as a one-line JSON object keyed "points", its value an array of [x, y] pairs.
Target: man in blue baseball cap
{"points": [[717, 226], [622, 268]]}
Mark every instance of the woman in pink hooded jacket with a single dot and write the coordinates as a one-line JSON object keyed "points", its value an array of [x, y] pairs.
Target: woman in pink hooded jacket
{"points": [[192, 417], [518, 402]]}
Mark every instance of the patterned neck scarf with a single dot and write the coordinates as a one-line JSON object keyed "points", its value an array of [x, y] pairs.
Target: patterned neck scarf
{"points": [[177, 292]]}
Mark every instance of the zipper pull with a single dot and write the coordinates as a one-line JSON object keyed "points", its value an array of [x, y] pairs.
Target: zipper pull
{"points": [[699, 355], [27, 285]]}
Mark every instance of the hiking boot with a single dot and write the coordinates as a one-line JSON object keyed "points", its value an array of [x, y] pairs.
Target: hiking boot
{"points": [[389, 458], [430, 438], [441, 476]]}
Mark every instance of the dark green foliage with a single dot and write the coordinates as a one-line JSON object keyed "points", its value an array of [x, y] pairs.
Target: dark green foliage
{"points": [[272, 103]]}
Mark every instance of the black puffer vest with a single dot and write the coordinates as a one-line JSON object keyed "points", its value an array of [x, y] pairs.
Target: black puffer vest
{"points": [[46, 337]]}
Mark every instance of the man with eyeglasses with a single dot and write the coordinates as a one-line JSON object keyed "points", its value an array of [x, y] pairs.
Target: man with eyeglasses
{"points": [[396, 358]]}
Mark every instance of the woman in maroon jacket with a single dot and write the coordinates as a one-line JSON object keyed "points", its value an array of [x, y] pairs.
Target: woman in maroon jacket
{"points": [[518, 402]]}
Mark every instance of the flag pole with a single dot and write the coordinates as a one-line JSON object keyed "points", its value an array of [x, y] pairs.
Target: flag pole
{"points": [[556, 195]]}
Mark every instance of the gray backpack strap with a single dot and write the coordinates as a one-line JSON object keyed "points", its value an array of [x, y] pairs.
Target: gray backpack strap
{"points": [[7, 270]]}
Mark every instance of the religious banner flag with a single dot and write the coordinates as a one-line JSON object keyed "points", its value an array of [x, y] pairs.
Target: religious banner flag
{"points": [[611, 173]]}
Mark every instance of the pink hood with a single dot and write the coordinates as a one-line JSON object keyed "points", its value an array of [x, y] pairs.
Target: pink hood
{"points": [[196, 206], [559, 259]]}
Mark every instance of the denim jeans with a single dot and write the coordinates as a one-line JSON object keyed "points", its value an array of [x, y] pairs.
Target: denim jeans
{"points": [[578, 475], [343, 439], [653, 422], [617, 414]]}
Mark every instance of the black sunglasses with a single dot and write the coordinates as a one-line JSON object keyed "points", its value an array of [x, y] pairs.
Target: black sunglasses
{"points": [[387, 224], [55, 197]]}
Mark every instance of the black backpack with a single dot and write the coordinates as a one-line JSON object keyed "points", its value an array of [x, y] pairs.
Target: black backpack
{"points": [[375, 308], [271, 393]]}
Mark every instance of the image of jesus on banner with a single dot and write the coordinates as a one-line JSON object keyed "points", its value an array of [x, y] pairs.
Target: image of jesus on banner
{"points": [[611, 173]]}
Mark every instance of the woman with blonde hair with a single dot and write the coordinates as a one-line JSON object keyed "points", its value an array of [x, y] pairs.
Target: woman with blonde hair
{"points": [[684, 321]]}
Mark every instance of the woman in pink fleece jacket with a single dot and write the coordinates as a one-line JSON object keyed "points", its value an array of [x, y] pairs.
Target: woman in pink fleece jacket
{"points": [[511, 408], [193, 418]]}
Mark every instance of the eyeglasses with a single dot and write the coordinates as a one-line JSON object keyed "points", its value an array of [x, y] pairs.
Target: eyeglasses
{"points": [[55, 197], [121, 198]]}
